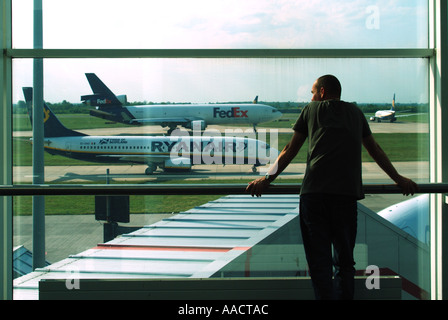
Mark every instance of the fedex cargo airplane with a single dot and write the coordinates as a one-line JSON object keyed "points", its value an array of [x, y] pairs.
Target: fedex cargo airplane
{"points": [[197, 116], [165, 152]]}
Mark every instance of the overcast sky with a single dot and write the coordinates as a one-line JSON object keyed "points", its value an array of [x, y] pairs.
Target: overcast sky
{"points": [[176, 24]]}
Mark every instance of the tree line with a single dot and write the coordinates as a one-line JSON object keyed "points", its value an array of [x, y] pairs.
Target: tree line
{"points": [[285, 107]]}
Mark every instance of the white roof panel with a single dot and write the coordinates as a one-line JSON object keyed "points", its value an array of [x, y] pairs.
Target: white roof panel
{"points": [[199, 241]]}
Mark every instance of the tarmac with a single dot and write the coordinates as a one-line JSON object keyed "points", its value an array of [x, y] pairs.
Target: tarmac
{"points": [[383, 127], [418, 170], [71, 234]]}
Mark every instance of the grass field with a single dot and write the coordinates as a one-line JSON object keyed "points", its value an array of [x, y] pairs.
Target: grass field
{"points": [[399, 147], [86, 204]]}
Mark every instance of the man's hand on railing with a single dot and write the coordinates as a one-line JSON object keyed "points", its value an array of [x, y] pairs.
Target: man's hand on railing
{"points": [[258, 186], [408, 187]]}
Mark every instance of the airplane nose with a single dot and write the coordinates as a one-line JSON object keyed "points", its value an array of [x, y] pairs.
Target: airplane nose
{"points": [[278, 115]]}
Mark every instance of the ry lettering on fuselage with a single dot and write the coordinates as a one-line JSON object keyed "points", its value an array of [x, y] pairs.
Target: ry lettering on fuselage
{"points": [[234, 112]]}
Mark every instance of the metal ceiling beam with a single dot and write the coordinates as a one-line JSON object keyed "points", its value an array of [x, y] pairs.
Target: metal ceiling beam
{"points": [[219, 53]]}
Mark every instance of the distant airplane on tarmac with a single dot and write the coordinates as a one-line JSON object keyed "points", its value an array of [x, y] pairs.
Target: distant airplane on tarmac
{"points": [[165, 152], [111, 107], [385, 115], [390, 115]]}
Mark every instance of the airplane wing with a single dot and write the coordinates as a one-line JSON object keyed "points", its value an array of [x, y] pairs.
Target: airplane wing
{"points": [[407, 115], [166, 161], [143, 158]]}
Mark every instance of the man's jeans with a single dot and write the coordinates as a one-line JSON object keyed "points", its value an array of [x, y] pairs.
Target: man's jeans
{"points": [[327, 220]]}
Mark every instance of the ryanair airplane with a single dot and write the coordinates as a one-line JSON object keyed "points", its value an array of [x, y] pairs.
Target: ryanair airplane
{"points": [[386, 115], [112, 107], [165, 152]]}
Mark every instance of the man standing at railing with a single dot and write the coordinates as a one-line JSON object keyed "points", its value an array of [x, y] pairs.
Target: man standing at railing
{"points": [[332, 185]]}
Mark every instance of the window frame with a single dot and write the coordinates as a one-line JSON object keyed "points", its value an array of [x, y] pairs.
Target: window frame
{"points": [[436, 53]]}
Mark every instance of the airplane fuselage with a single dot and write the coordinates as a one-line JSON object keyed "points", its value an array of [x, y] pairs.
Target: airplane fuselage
{"points": [[191, 116], [384, 115], [210, 113], [162, 150]]}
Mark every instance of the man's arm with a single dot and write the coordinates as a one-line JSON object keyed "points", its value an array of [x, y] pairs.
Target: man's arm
{"points": [[373, 148], [288, 153]]}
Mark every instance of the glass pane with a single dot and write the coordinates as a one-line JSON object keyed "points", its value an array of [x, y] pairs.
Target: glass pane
{"points": [[216, 226], [179, 24], [227, 87]]}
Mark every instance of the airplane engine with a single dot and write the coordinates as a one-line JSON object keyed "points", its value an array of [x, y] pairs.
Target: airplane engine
{"points": [[196, 124], [123, 99], [178, 164]]}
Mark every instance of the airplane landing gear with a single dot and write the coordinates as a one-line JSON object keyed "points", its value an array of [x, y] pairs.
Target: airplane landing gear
{"points": [[255, 128], [171, 129], [151, 168]]}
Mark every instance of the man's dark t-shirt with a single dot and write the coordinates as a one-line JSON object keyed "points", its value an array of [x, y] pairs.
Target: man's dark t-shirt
{"points": [[335, 130]]}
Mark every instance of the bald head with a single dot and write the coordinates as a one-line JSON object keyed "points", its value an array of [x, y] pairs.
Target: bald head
{"points": [[326, 87]]}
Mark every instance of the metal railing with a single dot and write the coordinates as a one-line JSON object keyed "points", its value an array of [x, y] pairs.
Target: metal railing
{"points": [[187, 189]]}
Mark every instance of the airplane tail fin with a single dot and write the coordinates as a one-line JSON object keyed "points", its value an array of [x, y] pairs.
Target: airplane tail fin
{"points": [[393, 103], [28, 94], [52, 126], [102, 96], [109, 106], [256, 100]]}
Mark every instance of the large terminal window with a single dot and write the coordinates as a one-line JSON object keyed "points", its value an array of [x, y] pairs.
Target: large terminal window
{"points": [[251, 70]]}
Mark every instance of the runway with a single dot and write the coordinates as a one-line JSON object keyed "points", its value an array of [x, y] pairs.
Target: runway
{"points": [[384, 127]]}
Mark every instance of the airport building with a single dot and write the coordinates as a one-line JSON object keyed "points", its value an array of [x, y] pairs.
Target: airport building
{"points": [[129, 132]]}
